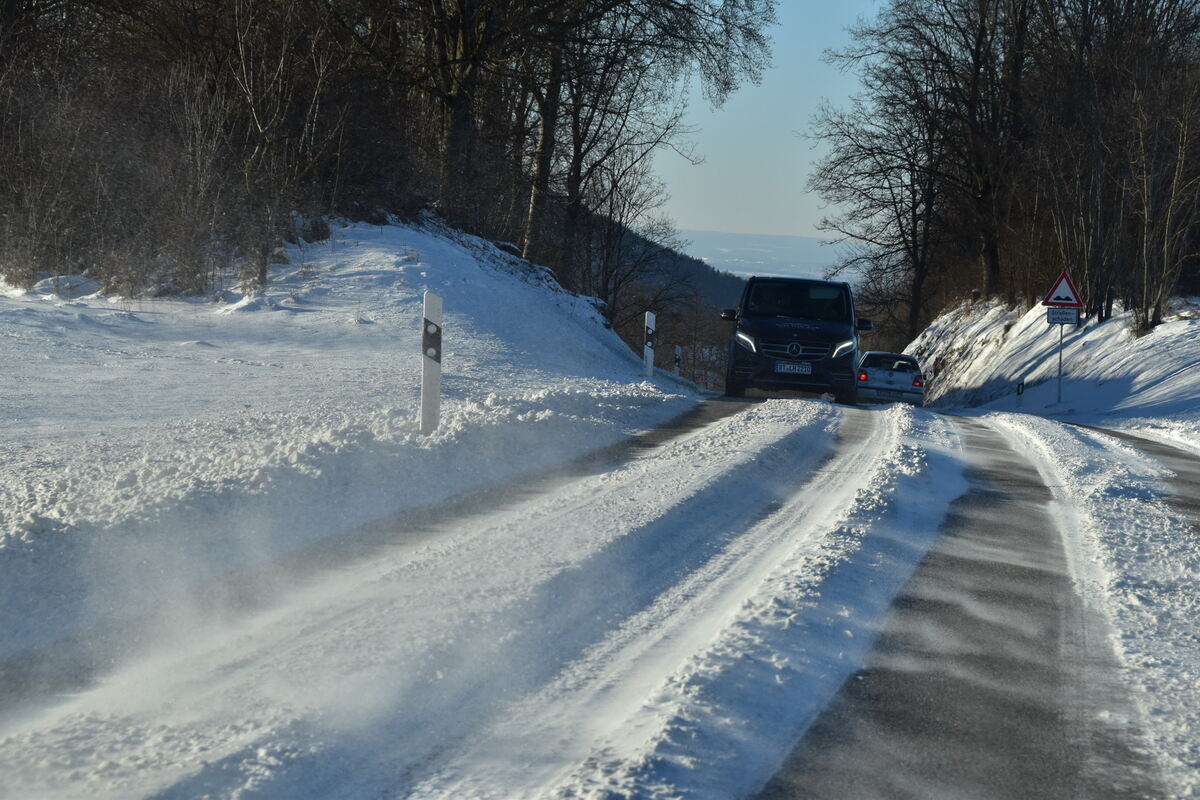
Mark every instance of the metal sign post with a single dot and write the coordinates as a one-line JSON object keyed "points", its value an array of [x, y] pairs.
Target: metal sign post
{"points": [[1060, 349], [1061, 317], [648, 349], [431, 363]]}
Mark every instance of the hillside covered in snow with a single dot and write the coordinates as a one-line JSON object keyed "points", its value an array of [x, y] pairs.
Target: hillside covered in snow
{"points": [[978, 353], [147, 444]]}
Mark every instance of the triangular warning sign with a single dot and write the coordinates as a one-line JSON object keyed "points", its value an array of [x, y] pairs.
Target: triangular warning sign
{"points": [[1064, 294]]}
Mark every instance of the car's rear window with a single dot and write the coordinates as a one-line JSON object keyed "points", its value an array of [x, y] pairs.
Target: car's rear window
{"points": [[807, 300], [890, 361]]}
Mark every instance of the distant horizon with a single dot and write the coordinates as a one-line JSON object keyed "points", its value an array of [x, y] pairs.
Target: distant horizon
{"points": [[757, 235], [775, 254]]}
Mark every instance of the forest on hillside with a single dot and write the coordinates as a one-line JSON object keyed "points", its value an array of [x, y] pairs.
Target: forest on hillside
{"points": [[158, 145], [995, 143], [169, 146]]}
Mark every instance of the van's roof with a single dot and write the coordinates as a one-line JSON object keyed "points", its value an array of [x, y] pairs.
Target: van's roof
{"points": [[795, 280]]}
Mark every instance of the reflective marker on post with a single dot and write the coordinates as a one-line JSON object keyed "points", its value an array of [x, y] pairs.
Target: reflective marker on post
{"points": [[431, 363], [648, 350]]}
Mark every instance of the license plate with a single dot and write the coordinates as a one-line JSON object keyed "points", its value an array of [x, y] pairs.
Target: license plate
{"points": [[800, 368]]}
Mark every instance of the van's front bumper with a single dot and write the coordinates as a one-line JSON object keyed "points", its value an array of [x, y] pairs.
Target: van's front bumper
{"points": [[824, 374]]}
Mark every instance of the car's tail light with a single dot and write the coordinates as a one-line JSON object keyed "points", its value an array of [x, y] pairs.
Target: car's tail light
{"points": [[919, 382], [862, 374]]}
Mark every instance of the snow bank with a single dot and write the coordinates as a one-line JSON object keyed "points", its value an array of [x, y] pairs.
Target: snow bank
{"points": [[979, 352], [148, 444]]}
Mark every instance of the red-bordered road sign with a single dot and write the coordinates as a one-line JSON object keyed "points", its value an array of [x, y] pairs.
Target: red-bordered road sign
{"points": [[1064, 294]]}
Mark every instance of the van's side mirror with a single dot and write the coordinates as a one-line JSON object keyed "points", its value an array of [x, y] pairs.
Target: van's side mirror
{"points": [[729, 315], [865, 325]]}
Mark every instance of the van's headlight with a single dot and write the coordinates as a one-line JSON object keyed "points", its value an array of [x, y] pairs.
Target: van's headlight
{"points": [[841, 348], [746, 341]]}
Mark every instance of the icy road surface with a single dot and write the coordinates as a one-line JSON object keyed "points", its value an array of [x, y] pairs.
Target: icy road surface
{"points": [[987, 680], [668, 627]]}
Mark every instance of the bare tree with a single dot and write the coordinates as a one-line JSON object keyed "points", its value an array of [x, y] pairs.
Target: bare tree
{"points": [[1059, 134], [973, 55], [281, 67], [883, 170]]}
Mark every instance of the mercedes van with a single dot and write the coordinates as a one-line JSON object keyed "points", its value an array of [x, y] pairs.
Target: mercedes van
{"points": [[794, 333]]}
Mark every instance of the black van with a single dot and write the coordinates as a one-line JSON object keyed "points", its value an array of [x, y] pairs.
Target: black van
{"points": [[794, 333]]}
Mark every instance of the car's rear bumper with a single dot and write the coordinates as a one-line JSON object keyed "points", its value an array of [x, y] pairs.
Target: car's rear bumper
{"points": [[871, 393]]}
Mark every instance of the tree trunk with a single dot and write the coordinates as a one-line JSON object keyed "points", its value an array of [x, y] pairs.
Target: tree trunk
{"points": [[458, 160], [575, 252], [916, 296], [548, 108], [989, 255], [464, 38], [10, 15]]}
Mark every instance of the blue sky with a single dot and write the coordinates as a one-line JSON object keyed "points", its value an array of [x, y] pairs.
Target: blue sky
{"points": [[756, 161]]}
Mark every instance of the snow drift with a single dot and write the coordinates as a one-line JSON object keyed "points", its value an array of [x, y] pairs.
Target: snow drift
{"points": [[149, 444]]}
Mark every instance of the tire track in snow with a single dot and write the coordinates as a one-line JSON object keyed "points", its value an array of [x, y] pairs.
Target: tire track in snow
{"points": [[1184, 484], [556, 730], [370, 675], [736, 708], [673, 700]]}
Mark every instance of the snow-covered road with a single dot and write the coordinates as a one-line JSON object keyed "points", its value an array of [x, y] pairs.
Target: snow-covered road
{"points": [[991, 678], [673, 623], [231, 566], [591, 637]]}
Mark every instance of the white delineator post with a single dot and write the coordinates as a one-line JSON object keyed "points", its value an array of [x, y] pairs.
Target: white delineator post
{"points": [[678, 359], [648, 350], [431, 363]]}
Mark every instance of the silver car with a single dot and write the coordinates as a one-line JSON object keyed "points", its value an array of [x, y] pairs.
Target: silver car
{"points": [[889, 377]]}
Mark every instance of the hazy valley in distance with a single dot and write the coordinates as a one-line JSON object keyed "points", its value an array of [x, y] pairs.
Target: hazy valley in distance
{"points": [[746, 254]]}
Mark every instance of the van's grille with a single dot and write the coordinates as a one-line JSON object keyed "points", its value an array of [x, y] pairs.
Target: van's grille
{"points": [[807, 351]]}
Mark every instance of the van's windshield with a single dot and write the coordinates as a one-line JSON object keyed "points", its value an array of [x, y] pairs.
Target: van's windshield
{"points": [[806, 300]]}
